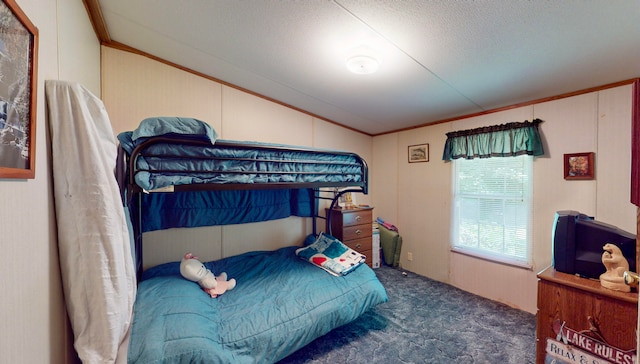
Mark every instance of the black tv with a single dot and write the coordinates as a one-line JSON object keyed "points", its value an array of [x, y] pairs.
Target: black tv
{"points": [[578, 240]]}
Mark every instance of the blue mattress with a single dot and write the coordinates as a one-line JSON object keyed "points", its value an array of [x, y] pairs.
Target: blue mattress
{"points": [[280, 304], [172, 161]]}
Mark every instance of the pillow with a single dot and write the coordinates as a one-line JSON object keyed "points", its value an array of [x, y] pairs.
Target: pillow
{"points": [[126, 142], [331, 255], [155, 126], [310, 239]]}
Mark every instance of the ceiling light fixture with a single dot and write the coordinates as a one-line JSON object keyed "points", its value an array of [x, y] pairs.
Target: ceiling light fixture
{"points": [[362, 64]]}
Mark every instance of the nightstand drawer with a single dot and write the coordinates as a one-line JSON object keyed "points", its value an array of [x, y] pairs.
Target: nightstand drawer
{"points": [[368, 257], [357, 232], [360, 245], [357, 218]]}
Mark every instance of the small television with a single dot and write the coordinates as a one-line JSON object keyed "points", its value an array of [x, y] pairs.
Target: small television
{"points": [[578, 240]]}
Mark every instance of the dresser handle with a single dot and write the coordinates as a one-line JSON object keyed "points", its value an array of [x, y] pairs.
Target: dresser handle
{"points": [[358, 232], [358, 218], [358, 246]]}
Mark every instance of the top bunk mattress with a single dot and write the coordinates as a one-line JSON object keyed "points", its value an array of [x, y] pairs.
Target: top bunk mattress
{"points": [[170, 152]]}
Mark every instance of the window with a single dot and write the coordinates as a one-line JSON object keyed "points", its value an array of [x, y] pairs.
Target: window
{"points": [[492, 208]]}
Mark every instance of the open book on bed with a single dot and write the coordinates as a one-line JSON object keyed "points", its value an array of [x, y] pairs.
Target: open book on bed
{"points": [[331, 255]]}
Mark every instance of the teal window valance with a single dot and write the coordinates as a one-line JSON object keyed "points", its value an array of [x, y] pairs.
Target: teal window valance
{"points": [[505, 140]]}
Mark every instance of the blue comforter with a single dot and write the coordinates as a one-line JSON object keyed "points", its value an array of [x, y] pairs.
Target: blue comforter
{"points": [[280, 304], [167, 164]]}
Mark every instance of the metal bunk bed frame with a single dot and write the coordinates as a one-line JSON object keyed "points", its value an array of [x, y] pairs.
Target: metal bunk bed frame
{"points": [[319, 188]]}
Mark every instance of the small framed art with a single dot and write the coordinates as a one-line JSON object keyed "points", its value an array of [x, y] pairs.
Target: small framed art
{"points": [[579, 166], [418, 153], [347, 200], [18, 63]]}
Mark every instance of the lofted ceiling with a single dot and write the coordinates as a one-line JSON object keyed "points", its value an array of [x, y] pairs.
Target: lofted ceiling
{"points": [[438, 59]]}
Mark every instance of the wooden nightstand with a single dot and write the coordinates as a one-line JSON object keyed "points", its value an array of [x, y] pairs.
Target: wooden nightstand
{"points": [[354, 228]]}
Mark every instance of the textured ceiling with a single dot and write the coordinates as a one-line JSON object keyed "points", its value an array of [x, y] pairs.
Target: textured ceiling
{"points": [[439, 59]]}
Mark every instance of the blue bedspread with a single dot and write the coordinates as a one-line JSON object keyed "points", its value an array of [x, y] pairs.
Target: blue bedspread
{"points": [[280, 304]]}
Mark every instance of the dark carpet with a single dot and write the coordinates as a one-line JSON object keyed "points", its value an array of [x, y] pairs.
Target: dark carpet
{"points": [[426, 321]]}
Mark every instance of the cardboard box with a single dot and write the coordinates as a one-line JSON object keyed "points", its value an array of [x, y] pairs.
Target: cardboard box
{"points": [[375, 248]]}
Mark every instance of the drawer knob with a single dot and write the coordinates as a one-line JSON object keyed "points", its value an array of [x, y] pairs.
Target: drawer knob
{"points": [[358, 218], [358, 246], [358, 232]]}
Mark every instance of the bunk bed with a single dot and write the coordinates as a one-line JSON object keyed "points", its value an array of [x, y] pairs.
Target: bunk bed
{"points": [[171, 167]]}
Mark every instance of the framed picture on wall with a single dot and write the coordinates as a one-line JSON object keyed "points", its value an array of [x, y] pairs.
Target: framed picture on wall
{"points": [[18, 90], [418, 153], [579, 166], [347, 200]]}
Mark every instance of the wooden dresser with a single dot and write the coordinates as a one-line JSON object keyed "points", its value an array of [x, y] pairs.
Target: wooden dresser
{"points": [[571, 299], [353, 227]]}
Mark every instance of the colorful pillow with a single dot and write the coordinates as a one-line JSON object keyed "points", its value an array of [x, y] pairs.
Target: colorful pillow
{"points": [[331, 255]]}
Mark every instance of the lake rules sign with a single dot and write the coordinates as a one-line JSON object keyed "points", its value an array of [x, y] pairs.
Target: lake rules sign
{"points": [[571, 346], [561, 353]]}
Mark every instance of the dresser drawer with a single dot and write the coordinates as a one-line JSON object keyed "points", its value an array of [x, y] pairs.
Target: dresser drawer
{"points": [[357, 232], [368, 257], [357, 218], [360, 245]]}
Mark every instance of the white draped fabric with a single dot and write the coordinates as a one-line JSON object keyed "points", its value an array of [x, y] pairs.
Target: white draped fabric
{"points": [[97, 268]]}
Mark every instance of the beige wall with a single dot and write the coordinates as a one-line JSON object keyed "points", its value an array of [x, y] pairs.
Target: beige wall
{"points": [[136, 87], [32, 313], [34, 324], [419, 202]]}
